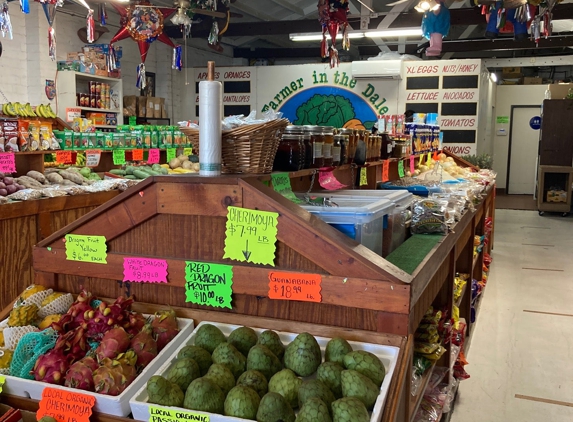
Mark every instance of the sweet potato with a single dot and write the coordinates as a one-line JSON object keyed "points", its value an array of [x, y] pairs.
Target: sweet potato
{"points": [[55, 178], [72, 176], [36, 175]]}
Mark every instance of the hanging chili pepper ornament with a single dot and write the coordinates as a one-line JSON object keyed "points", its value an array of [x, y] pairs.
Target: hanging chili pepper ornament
{"points": [[333, 15]]}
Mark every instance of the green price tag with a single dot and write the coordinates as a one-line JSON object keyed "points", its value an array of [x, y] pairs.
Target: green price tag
{"points": [[2, 381], [171, 153], [281, 184], [251, 236], [132, 120], [187, 151], [429, 159], [363, 177], [401, 168], [208, 284], [163, 414], [86, 248], [502, 119], [118, 157]]}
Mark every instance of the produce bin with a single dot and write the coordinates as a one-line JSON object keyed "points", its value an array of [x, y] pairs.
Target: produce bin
{"points": [[360, 219], [111, 405], [399, 197], [387, 354], [415, 189]]}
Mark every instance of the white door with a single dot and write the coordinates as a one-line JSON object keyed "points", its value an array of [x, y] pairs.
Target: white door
{"points": [[524, 149]]}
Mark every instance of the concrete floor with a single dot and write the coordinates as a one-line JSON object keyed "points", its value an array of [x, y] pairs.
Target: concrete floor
{"points": [[521, 356]]}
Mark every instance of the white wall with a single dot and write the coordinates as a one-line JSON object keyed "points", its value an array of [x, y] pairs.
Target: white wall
{"points": [[508, 96]]}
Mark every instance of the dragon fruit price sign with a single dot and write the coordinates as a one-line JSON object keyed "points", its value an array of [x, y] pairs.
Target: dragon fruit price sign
{"points": [[208, 284], [86, 248], [145, 270], [64, 406]]}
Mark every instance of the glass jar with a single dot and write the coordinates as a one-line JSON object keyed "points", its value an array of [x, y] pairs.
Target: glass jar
{"points": [[337, 150], [343, 149], [328, 134], [377, 147], [350, 144], [361, 151], [317, 143], [308, 152], [386, 147], [290, 153]]}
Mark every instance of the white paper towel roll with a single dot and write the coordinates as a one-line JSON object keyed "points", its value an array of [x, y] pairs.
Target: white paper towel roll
{"points": [[210, 116]]}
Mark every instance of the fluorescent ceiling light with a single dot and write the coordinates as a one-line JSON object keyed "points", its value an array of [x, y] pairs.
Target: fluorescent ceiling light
{"points": [[389, 33], [317, 36]]}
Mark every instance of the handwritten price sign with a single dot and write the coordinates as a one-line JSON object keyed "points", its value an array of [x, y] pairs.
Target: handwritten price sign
{"points": [[208, 284], [64, 157], [281, 184], [137, 155], [64, 406], [163, 414], [295, 286], [145, 270], [86, 248], [93, 158], [118, 157], [251, 236], [8, 163], [171, 153], [153, 157]]}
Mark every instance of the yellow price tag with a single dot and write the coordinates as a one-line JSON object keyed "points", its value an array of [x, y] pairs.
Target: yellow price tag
{"points": [[187, 151], [429, 159], [86, 248], [2, 381], [251, 236], [363, 177]]}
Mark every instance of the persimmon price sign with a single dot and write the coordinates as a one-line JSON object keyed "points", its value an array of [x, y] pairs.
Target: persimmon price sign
{"points": [[65, 406], [295, 286]]}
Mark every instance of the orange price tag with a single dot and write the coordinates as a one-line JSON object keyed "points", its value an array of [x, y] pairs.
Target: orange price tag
{"points": [[64, 157], [295, 286], [435, 156], [137, 155], [64, 406], [385, 170]]}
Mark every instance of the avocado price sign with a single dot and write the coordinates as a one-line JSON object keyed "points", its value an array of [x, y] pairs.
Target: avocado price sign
{"points": [[251, 236], [86, 248], [208, 284]]}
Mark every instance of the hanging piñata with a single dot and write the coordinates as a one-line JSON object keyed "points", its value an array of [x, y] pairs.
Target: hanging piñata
{"points": [[333, 15]]}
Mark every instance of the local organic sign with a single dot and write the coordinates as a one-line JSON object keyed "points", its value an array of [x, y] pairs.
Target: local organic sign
{"points": [[145, 270], [118, 157], [187, 151], [208, 284], [86, 248], [162, 414], [65, 406], [295, 286], [8, 163], [251, 235], [281, 184]]}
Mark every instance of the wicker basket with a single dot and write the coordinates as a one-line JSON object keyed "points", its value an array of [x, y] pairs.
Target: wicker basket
{"points": [[252, 148], [193, 136]]}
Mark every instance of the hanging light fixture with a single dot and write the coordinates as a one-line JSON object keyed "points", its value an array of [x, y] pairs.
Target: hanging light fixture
{"points": [[427, 5], [181, 18]]}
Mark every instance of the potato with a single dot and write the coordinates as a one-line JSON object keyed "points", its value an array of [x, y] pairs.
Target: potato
{"points": [[183, 157], [3, 192], [36, 175], [55, 178], [8, 180], [72, 176], [196, 167], [175, 163], [187, 165]]}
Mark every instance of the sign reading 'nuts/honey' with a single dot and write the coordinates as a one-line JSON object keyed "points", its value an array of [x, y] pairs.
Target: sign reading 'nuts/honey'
{"points": [[295, 286]]}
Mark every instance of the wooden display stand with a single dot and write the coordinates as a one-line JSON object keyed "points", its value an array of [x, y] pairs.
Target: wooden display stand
{"points": [[548, 175]]}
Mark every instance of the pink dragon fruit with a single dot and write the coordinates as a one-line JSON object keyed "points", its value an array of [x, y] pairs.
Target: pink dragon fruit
{"points": [[114, 342], [80, 374], [74, 344], [113, 377], [106, 317], [77, 315], [144, 346], [165, 327], [51, 367], [136, 323]]}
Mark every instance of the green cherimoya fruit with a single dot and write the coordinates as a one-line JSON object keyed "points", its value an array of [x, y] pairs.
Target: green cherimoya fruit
{"points": [[226, 354], [367, 364], [243, 338], [349, 409], [262, 359], [274, 408], [204, 395], [182, 372], [164, 392], [286, 383], [330, 373], [336, 349], [354, 384], [255, 380], [242, 402], [209, 337], [222, 376], [272, 340], [303, 355], [199, 355], [314, 388], [314, 410]]}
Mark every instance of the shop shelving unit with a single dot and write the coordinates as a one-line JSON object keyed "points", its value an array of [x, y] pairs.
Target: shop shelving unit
{"points": [[547, 177]]}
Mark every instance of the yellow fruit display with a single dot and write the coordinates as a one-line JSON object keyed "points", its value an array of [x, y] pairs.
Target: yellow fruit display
{"points": [[47, 321], [51, 298], [5, 358], [23, 315], [2, 338], [34, 288]]}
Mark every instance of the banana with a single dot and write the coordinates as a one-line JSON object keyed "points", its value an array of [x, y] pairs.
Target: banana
{"points": [[29, 110], [4, 112], [40, 111], [51, 112], [10, 110]]}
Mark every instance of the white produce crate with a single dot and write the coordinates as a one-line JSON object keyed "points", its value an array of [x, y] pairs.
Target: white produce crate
{"points": [[387, 354], [111, 405]]}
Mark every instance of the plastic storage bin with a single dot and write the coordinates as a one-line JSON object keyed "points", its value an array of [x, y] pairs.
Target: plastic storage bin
{"points": [[415, 189], [361, 219], [400, 197]]}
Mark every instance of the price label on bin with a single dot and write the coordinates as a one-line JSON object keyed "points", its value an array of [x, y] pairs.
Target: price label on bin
{"points": [[295, 286], [208, 284], [118, 157]]}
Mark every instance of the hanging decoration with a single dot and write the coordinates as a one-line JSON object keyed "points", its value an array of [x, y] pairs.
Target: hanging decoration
{"points": [[333, 16], [102, 13], [220, 22], [25, 6], [90, 26], [50, 7], [177, 62], [5, 23], [144, 24], [184, 16], [435, 26]]}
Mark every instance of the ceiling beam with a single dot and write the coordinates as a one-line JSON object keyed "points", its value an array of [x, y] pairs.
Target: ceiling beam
{"points": [[305, 52], [287, 5], [252, 12], [505, 44]]}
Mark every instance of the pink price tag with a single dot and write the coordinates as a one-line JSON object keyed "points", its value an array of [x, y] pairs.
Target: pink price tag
{"points": [[328, 181], [153, 156], [8, 163], [145, 270], [412, 164]]}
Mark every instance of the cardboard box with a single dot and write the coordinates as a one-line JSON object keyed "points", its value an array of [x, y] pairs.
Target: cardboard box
{"points": [[73, 56], [141, 106], [532, 81], [130, 105], [150, 110], [510, 70], [557, 196], [559, 91]]}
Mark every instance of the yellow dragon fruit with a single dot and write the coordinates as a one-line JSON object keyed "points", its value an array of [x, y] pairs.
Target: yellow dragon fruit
{"points": [[23, 315], [5, 358], [51, 298], [47, 321], [30, 290]]}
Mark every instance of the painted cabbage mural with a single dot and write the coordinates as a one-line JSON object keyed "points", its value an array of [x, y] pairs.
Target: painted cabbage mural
{"points": [[325, 110]]}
